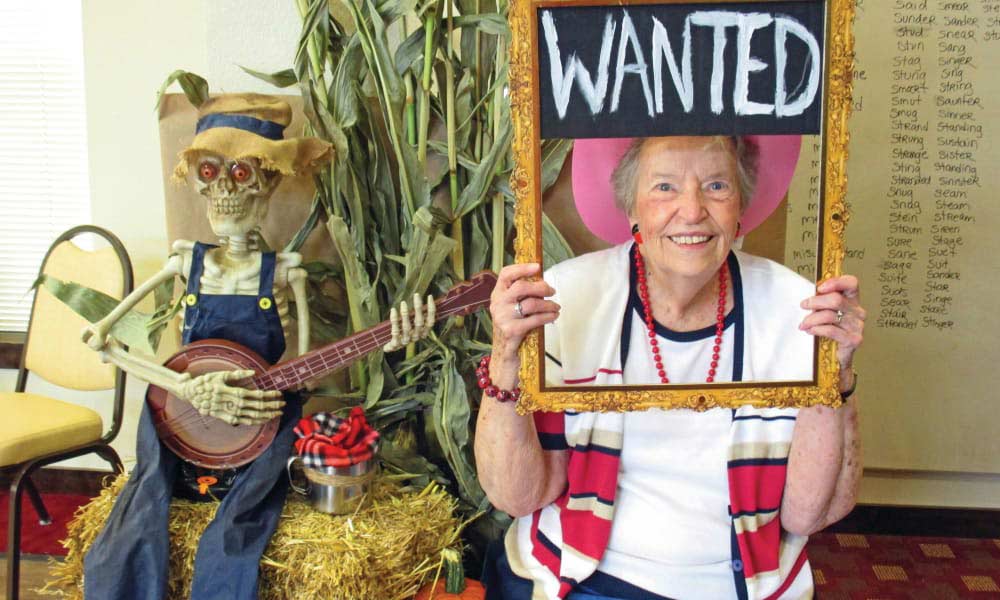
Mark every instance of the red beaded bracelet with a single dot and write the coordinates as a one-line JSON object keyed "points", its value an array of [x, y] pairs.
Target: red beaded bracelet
{"points": [[486, 384]]}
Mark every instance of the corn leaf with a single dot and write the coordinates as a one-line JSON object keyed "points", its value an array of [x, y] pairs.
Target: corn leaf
{"points": [[553, 157], [401, 460], [307, 227], [555, 249], [483, 175], [429, 250], [194, 86], [391, 10], [343, 91], [490, 23], [390, 89], [281, 79], [94, 305], [451, 416], [359, 290], [410, 51], [166, 309]]}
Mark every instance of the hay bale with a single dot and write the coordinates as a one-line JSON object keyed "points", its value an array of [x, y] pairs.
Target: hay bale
{"points": [[386, 550]]}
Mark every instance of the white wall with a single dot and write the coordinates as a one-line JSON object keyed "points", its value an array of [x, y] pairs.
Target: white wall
{"points": [[129, 49]]}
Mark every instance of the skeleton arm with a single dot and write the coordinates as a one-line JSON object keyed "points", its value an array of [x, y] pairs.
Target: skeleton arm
{"points": [[97, 335], [297, 281], [210, 393]]}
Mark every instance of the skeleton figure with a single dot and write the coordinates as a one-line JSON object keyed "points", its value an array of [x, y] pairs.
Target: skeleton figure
{"points": [[237, 194], [235, 292]]}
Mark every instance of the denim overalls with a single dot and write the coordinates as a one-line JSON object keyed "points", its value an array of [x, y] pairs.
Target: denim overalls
{"points": [[128, 559]]}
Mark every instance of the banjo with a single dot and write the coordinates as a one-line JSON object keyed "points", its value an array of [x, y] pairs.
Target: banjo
{"points": [[213, 443]]}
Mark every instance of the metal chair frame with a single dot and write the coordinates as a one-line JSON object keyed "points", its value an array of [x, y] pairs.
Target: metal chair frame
{"points": [[21, 478]]}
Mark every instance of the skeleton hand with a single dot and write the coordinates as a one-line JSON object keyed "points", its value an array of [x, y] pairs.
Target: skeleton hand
{"points": [[212, 396], [421, 325], [95, 335]]}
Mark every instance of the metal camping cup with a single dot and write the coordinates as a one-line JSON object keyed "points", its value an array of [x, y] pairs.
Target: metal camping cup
{"points": [[335, 490]]}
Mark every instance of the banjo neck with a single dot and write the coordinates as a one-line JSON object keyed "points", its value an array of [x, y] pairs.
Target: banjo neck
{"points": [[463, 299]]}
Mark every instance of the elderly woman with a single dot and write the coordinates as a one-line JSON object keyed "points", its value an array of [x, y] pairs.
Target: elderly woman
{"points": [[669, 504]]}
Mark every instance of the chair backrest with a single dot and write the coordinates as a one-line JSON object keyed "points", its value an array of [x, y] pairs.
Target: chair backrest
{"points": [[53, 349]]}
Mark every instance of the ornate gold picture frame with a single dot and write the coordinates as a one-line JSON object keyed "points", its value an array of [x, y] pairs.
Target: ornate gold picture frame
{"points": [[835, 106]]}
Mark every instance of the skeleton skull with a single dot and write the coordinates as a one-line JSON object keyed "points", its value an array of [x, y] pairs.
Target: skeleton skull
{"points": [[238, 192]]}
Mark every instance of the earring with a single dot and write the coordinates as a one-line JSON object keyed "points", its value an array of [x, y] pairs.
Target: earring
{"points": [[635, 234], [739, 226]]}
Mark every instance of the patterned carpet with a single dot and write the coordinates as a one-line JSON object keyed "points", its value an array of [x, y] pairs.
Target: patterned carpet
{"points": [[870, 567]]}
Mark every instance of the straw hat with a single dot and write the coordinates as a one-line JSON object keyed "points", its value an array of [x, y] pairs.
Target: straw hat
{"points": [[595, 159], [252, 126]]}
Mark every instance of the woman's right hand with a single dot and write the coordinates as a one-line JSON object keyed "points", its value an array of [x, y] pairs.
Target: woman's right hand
{"points": [[509, 328]]}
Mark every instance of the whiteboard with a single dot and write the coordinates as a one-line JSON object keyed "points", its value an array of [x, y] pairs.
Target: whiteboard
{"points": [[923, 181]]}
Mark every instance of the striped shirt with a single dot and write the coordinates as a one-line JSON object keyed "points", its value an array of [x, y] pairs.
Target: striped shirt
{"points": [[563, 543]]}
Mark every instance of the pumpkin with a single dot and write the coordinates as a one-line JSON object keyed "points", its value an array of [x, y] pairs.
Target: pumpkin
{"points": [[473, 591]]}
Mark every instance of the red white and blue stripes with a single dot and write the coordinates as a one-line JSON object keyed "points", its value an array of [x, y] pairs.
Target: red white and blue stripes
{"points": [[562, 544]]}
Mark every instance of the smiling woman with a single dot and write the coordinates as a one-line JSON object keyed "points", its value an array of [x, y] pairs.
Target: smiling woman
{"points": [[664, 185], [615, 497], [675, 303], [678, 300]]}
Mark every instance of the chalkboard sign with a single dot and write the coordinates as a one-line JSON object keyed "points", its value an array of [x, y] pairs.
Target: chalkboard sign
{"points": [[734, 68]]}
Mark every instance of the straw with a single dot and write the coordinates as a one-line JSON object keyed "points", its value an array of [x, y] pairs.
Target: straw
{"points": [[386, 550]]}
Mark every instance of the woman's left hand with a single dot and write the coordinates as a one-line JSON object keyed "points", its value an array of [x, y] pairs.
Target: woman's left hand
{"points": [[837, 314]]}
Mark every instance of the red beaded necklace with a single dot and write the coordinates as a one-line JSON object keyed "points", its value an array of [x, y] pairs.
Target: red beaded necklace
{"points": [[640, 267]]}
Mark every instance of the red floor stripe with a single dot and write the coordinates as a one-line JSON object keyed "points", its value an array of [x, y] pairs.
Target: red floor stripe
{"points": [[35, 538]]}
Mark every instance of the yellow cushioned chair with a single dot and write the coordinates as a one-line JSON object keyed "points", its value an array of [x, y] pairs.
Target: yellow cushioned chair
{"points": [[36, 430]]}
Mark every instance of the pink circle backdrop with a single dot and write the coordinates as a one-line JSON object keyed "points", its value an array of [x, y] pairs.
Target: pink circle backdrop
{"points": [[595, 159]]}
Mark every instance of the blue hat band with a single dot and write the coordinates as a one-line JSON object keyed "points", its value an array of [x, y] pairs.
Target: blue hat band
{"points": [[266, 129]]}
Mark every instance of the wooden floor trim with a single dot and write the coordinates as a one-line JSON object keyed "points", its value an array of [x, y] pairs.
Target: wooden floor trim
{"points": [[874, 519], [85, 482]]}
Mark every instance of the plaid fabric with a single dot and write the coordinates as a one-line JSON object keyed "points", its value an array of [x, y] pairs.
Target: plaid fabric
{"points": [[326, 440]]}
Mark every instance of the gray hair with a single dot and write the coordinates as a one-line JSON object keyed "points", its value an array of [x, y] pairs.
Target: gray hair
{"points": [[625, 177]]}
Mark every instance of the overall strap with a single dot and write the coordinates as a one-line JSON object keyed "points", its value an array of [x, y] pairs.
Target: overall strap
{"points": [[267, 264], [197, 267]]}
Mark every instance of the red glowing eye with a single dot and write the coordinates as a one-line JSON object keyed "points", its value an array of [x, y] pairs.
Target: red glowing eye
{"points": [[241, 172], [207, 171]]}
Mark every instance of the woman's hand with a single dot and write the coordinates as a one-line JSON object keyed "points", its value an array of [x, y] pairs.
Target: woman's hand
{"points": [[838, 315], [510, 326], [503, 437], [824, 463]]}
